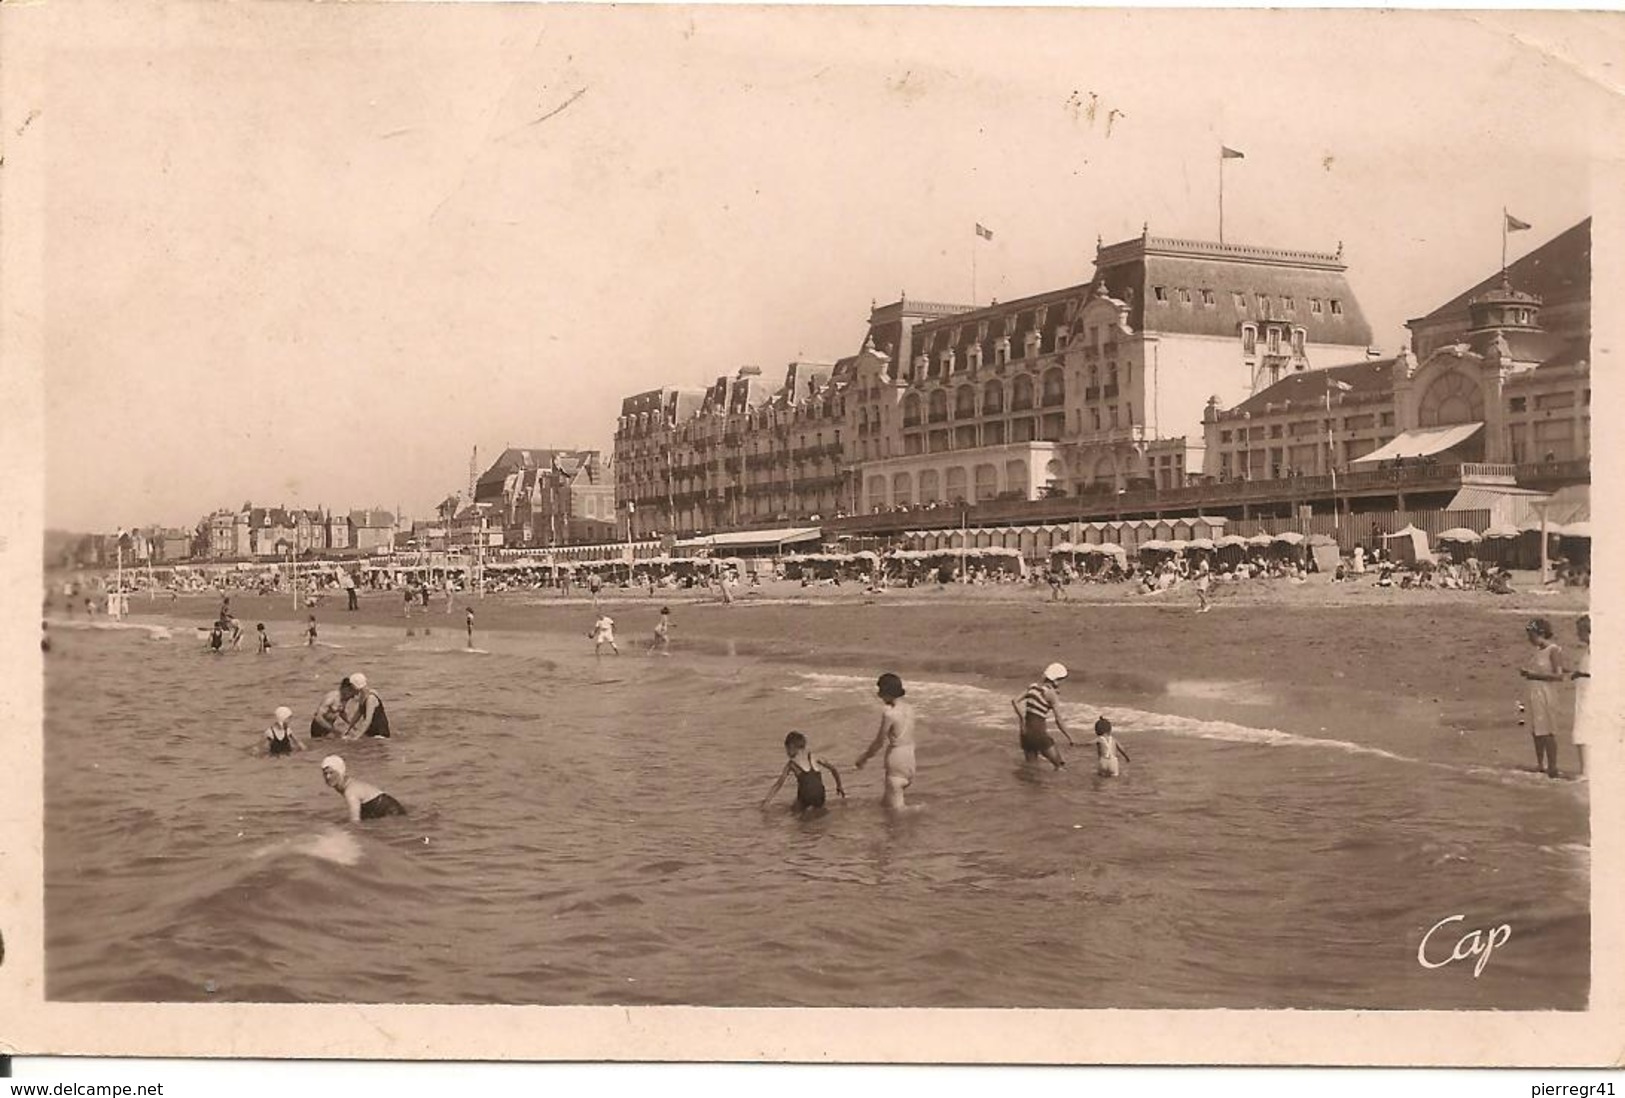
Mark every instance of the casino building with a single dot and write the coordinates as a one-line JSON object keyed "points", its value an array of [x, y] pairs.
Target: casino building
{"points": [[1181, 370], [1499, 375]]}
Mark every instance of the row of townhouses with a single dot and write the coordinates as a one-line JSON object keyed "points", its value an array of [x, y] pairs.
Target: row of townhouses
{"points": [[1178, 363]]}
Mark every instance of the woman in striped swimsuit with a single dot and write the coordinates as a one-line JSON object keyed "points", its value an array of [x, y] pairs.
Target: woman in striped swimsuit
{"points": [[1034, 709]]}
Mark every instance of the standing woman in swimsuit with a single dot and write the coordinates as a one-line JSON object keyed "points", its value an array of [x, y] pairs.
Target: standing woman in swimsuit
{"points": [[1544, 670], [896, 735], [370, 718], [1034, 708]]}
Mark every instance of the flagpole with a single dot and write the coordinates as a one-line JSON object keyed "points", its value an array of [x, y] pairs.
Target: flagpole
{"points": [[1503, 242], [1331, 463], [974, 240], [1221, 194]]}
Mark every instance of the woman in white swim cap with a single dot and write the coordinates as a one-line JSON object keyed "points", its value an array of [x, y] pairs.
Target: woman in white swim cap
{"points": [[1034, 708]]}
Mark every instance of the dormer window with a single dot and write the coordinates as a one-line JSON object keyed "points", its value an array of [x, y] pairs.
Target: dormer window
{"points": [[1001, 351], [1240, 299], [1063, 335], [1337, 307], [1314, 305], [1289, 304], [1298, 336], [1030, 347], [973, 356], [1184, 296], [1249, 340], [1207, 299], [1263, 304], [1274, 341], [1160, 293]]}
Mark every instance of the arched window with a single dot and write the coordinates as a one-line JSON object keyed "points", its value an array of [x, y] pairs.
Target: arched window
{"points": [[1021, 394], [939, 406], [987, 482], [992, 398], [911, 410], [1054, 387], [877, 491], [930, 486], [965, 402], [902, 488], [956, 484]]}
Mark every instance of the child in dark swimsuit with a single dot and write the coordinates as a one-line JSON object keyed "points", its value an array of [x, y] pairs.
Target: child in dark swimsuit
{"points": [[809, 782], [279, 738]]}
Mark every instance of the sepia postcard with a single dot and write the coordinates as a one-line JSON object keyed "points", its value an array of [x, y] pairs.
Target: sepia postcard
{"points": [[933, 535]]}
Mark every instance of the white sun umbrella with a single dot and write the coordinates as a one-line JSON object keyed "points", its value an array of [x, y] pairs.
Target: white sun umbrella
{"points": [[1260, 539], [1229, 540], [1289, 537], [1461, 534], [1199, 543], [1578, 530], [1111, 549], [1503, 530]]}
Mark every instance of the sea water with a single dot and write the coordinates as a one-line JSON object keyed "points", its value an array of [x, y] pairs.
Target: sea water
{"points": [[586, 830]]}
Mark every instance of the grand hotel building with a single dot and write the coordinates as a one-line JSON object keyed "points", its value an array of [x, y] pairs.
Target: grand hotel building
{"points": [[1179, 362]]}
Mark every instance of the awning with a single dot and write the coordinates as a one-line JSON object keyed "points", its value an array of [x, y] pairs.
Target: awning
{"points": [[753, 539], [1505, 505], [1571, 504], [1422, 442]]}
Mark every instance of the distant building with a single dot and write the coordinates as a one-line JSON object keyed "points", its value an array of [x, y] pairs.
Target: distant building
{"points": [[1491, 382], [541, 497], [371, 530]]}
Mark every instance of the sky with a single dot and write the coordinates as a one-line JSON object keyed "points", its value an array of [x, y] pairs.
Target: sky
{"points": [[313, 255]]}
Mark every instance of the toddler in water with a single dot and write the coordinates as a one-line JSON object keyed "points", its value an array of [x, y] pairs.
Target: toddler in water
{"points": [[265, 641], [1107, 749], [896, 735], [809, 782], [279, 738]]}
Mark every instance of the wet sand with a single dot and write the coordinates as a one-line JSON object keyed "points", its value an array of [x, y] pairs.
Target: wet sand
{"points": [[1429, 673]]}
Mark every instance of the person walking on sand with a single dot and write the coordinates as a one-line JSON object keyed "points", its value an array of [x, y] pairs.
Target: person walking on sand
{"points": [[896, 735], [1034, 708], [1107, 749], [603, 632], [451, 591], [1204, 583], [662, 641], [364, 800], [1581, 674], [810, 792], [1543, 670]]}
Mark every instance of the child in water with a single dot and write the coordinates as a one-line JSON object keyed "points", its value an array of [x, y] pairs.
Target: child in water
{"points": [[310, 633], [265, 641], [468, 621], [662, 641], [217, 637], [603, 632], [1107, 749], [279, 738], [896, 735], [809, 782]]}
